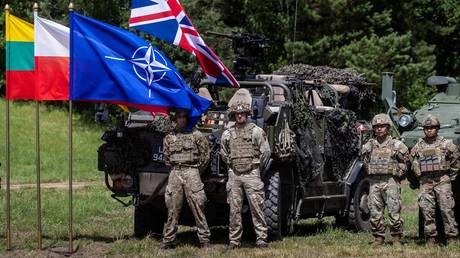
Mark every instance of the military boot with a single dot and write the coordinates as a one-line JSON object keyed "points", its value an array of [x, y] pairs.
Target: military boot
{"points": [[232, 246], [430, 241], [261, 244], [396, 240], [205, 245], [451, 240], [165, 246], [379, 240]]}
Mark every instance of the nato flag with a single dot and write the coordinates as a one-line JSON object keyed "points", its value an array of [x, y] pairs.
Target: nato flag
{"points": [[110, 64]]}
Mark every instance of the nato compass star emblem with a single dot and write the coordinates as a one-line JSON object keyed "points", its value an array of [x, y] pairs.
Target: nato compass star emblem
{"points": [[148, 65]]}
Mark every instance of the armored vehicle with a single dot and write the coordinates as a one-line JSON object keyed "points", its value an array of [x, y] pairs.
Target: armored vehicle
{"points": [[445, 105], [314, 170], [302, 180]]}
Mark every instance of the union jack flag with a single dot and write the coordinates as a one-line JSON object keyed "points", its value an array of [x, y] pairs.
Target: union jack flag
{"points": [[166, 19]]}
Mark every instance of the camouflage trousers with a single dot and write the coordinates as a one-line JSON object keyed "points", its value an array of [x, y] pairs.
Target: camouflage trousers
{"points": [[185, 181], [438, 191], [385, 191], [253, 186]]}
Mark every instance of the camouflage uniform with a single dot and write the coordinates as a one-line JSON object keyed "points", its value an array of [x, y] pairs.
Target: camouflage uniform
{"points": [[386, 165], [186, 154], [245, 150], [435, 164]]}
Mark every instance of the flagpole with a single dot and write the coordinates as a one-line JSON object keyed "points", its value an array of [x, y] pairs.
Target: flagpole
{"points": [[7, 154], [70, 221], [37, 159]]}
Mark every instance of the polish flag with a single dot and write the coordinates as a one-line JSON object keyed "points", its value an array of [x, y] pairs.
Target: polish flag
{"points": [[51, 60]]}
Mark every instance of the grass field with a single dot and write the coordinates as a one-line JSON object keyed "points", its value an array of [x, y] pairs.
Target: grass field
{"points": [[54, 148], [103, 228]]}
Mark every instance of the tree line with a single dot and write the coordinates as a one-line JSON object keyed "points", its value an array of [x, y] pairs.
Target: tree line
{"points": [[414, 38]]}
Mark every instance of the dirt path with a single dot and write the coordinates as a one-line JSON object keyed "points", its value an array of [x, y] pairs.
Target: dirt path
{"points": [[54, 185]]}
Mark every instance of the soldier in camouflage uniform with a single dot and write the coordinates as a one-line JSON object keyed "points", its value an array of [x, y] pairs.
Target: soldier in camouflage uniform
{"points": [[435, 162], [245, 150], [386, 161], [186, 153]]}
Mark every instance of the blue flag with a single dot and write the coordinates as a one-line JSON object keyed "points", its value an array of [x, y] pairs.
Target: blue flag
{"points": [[110, 64]]}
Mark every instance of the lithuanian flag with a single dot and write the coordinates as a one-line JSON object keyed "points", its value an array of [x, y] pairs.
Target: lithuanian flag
{"points": [[20, 79]]}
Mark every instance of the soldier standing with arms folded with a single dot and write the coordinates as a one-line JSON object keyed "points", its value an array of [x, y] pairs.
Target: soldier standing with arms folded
{"points": [[186, 152], [435, 161], [246, 151], [386, 161]]}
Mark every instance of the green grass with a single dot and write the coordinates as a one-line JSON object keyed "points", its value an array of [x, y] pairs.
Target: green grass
{"points": [[104, 228], [53, 144]]}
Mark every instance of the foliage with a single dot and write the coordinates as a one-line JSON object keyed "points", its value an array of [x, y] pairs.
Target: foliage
{"points": [[410, 62]]}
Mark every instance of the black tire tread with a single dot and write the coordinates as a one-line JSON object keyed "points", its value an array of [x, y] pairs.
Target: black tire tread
{"points": [[148, 220], [273, 207]]}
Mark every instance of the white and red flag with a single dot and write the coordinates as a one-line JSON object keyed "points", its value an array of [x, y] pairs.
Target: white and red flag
{"points": [[51, 60]]}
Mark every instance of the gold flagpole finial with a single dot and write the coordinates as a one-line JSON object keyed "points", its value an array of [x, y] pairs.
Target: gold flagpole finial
{"points": [[7, 8], [35, 7], [71, 7]]}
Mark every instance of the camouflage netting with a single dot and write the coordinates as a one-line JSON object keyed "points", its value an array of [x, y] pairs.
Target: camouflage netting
{"points": [[360, 98], [162, 124], [340, 146], [342, 142]]}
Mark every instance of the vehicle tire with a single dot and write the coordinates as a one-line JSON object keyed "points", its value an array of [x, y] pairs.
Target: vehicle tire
{"points": [[342, 221], [273, 206], [359, 214], [148, 220]]}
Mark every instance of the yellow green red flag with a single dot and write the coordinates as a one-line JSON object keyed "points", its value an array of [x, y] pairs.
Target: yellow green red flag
{"points": [[20, 80]]}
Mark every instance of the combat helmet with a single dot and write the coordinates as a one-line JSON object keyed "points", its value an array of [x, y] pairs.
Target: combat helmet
{"points": [[381, 119], [431, 121], [240, 103]]}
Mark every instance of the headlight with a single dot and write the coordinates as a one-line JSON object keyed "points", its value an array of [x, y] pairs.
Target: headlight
{"points": [[405, 120]]}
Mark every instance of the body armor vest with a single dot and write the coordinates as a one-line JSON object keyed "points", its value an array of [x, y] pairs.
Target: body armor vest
{"points": [[183, 150], [433, 158], [382, 162], [243, 153]]}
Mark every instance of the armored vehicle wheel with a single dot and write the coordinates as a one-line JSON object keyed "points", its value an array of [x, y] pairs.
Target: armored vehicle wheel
{"points": [[273, 206], [359, 214], [148, 220]]}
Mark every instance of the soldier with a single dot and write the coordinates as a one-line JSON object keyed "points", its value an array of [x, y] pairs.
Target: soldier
{"points": [[435, 162], [186, 153], [246, 151], [386, 161]]}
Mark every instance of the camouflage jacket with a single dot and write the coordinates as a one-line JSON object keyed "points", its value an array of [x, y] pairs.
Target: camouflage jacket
{"points": [[257, 149], [398, 157], [448, 160], [191, 149]]}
